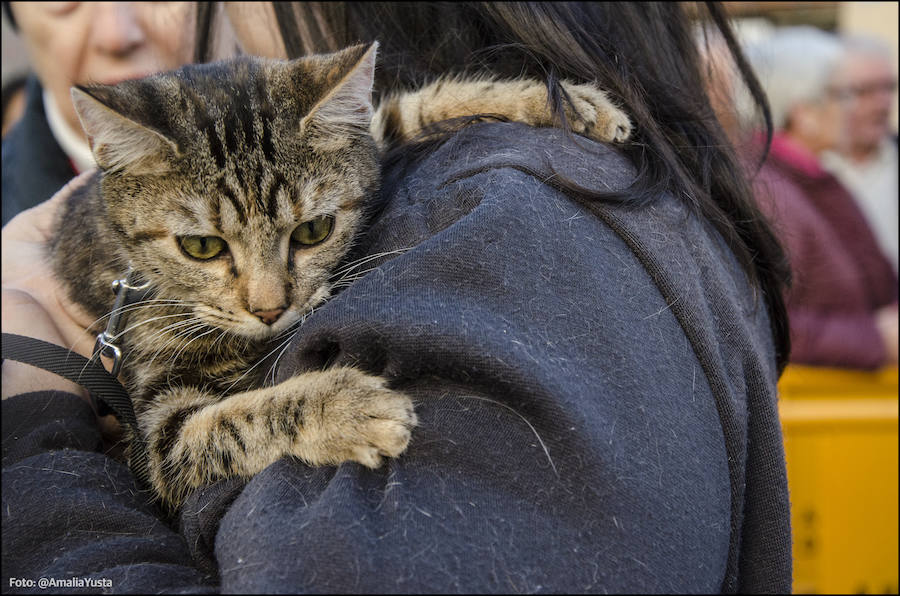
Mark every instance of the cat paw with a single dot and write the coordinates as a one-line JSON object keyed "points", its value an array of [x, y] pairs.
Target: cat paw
{"points": [[357, 418], [597, 117]]}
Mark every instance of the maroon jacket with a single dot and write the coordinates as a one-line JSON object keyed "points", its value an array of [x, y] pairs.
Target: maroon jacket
{"points": [[841, 277]]}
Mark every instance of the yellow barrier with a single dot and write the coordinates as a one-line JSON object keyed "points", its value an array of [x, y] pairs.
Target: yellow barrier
{"points": [[840, 438]]}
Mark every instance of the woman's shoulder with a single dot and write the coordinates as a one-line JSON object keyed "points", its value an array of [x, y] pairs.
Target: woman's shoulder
{"points": [[526, 176], [511, 166], [533, 151], [430, 187]]}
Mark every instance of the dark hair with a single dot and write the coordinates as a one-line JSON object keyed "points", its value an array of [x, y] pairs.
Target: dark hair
{"points": [[203, 31], [644, 54], [7, 10]]}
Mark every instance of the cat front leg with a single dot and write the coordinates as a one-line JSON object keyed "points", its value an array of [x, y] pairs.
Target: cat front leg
{"points": [[591, 112], [323, 418]]}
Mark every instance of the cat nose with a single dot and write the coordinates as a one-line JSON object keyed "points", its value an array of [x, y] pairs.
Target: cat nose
{"points": [[268, 316]]}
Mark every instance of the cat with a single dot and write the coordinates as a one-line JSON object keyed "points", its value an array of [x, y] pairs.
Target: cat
{"points": [[235, 189]]}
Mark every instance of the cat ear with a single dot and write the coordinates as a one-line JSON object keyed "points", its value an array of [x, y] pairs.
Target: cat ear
{"points": [[347, 107], [117, 141]]}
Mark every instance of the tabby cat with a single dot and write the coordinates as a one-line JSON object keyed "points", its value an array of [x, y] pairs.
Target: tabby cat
{"points": [[235, 189]]}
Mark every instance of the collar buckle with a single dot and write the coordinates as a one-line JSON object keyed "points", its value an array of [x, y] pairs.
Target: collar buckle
{"points": [[127, 292]]}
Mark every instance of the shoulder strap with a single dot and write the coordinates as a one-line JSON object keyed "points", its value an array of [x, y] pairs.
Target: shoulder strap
{"points": [[102, 386]]}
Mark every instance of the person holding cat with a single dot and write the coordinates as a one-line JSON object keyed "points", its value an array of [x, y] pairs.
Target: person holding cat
{"points": [[590, 332]]}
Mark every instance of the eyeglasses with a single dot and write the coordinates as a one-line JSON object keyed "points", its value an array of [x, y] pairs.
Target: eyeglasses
{"points": [[866, 91]]}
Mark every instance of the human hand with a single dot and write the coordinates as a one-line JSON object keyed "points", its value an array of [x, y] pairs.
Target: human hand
{"points": [[886, 321], [33, 301]]}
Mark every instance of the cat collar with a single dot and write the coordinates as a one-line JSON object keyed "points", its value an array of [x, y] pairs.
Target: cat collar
{"points": [[127, 293]]}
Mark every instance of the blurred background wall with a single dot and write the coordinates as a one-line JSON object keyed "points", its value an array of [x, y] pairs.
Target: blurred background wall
{"points": [[876, 19]]}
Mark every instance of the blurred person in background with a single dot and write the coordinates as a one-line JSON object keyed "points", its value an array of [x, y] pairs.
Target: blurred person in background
{"points": [[71, 43], [865, 160], [843, 302], [720, 77]]}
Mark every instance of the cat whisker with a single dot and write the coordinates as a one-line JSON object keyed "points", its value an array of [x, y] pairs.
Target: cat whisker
{"points": [[345, 282], [182, 339], [291, 329], [168, 329], [123, 309], [143, 304], [355, 274], [258, 362], [96, 354], [293, 326], [161, 348], [213, 313], [283, 346], [161, 332], [153, 319], [342, 272], [171, 344], [184, 347], [212, 347], [359, 262], [161, 304]]}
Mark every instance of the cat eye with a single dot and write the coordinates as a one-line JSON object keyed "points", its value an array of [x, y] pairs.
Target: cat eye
{"points": [[313, 231], [202, 247]]}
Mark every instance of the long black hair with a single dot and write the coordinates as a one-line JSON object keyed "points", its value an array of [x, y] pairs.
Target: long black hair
{"points": [[644, 54]]}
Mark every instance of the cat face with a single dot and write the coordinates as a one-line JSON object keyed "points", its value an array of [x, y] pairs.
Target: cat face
{"points": [[238, 187]]}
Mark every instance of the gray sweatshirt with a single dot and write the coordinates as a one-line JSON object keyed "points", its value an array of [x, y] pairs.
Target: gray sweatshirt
{"points": [[596, 390]]}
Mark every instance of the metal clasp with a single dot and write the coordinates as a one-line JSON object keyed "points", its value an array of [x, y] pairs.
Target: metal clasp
{"points": [[126, 293], [105, 347]]}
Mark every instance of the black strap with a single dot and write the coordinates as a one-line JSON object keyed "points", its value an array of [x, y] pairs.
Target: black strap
{"points": [[103, 387]]}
